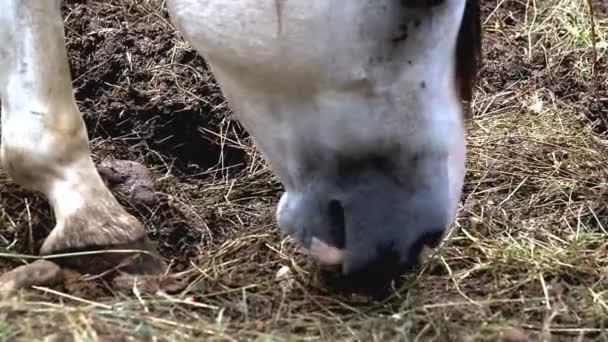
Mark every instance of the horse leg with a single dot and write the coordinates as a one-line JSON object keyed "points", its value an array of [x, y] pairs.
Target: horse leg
{"points": [[45, 146]]}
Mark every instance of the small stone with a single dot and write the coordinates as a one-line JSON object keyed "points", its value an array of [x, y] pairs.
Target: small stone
{"points": [[285, 279], [283, 272]]}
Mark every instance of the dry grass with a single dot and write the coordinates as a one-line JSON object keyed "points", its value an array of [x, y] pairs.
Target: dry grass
{"points": [[529, 249]]}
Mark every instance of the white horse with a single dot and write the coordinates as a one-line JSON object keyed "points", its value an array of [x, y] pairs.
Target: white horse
{"points": [[357, 105]]}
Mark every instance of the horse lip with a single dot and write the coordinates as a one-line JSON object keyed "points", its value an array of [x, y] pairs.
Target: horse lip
{"points": [[325, 254]]}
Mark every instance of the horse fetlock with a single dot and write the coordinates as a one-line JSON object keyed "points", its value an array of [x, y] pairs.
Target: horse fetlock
{"points": [[22, 168], [40, 157]]}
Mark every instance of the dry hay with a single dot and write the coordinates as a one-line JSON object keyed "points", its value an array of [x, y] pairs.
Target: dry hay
{"points": [[528, 256]]}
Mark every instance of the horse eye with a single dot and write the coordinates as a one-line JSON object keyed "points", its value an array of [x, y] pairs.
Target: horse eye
{"points": [[422, 3]]}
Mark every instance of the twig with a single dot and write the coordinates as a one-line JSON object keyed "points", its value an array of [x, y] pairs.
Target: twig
{"points": [[75, 298], [68, 255], [596, 88]]}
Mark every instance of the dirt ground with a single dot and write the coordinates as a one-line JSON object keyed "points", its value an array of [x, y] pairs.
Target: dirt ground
{"points": [[528, 258]]}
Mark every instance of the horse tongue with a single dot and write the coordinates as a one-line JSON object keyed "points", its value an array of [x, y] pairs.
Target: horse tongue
{"points": [[326, 254]]}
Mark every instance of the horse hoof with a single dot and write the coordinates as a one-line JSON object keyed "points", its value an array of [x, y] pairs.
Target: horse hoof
{"points": [[102, 239], [136, 257]]}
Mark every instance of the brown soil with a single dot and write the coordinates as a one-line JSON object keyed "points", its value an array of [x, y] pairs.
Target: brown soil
{"points": [[136, 81], [506, 63]]}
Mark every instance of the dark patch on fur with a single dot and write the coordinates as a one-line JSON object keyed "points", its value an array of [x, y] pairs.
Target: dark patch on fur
{"points": [[401, 35]]}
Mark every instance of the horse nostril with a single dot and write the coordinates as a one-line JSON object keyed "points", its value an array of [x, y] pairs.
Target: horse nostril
{"points": [[338, 225]]}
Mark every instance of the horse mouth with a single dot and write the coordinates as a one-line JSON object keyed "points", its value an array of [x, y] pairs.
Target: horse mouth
{"points": [[331, 258], [328, 257]]}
